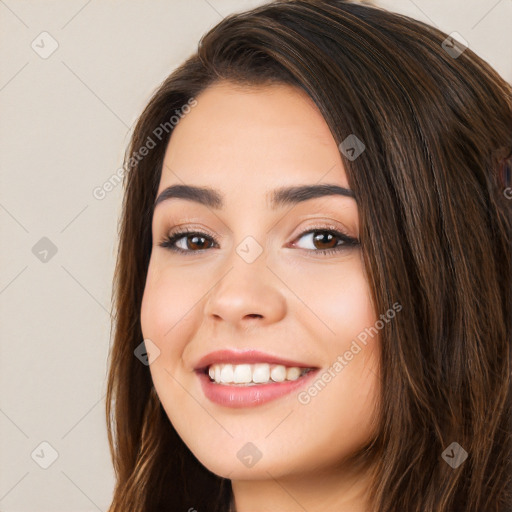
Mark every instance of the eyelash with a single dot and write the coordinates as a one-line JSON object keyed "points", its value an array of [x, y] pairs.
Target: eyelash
{"points": [[348, 241]]}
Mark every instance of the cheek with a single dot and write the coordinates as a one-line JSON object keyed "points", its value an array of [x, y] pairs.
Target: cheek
{"points": [[336, 308], [165, 308], [340, 296], [337, 296]]}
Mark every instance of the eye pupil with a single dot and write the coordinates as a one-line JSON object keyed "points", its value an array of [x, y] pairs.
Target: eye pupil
{"points": [[194, 239], [321, 238]]}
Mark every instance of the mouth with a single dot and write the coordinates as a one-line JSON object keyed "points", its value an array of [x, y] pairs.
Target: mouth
{"points": [[233, 378], [267, 383], [256, 374]]}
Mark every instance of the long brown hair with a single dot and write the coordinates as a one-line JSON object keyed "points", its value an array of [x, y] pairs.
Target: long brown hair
{"points": [[435, 234]]}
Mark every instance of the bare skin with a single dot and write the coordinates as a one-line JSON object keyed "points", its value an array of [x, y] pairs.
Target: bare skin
{"points": [[291, 302]]}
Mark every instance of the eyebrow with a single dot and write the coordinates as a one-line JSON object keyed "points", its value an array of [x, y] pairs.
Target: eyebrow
{"points": [[278, 198]]}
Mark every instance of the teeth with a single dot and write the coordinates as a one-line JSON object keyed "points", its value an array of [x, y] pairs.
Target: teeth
{"points": [[250, 374], [260, 373], [292, 373], [226, 374], [278, 373], [242, 374]]}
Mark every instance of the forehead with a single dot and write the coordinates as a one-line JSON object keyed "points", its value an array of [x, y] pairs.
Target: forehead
{"points": [[252, 137]]}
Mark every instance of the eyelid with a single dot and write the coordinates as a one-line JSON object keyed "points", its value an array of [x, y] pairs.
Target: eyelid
{"points": [[327, 225], [186, 228], [323, 225]]}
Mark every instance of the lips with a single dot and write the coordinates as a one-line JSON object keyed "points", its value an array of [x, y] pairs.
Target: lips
{"points": [[246, 356], [233, 392]]}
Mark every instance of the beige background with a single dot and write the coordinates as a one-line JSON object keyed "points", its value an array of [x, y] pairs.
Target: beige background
{"points": [[64, 125]]}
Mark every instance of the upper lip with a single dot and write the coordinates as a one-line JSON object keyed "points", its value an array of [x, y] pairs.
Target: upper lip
{"points": [[245, 356]]}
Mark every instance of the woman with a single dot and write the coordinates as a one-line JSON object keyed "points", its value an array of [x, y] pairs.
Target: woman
{"points": [[312, 292]]}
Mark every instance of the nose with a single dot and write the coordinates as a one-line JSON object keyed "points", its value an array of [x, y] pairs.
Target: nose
{"points": [[246, 293]]}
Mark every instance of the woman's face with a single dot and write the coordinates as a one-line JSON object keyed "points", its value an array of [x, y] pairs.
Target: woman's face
{"points": [[254, 278]]}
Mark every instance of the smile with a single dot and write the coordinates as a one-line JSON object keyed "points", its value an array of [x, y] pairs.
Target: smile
{"points": [[251, 394], [253, 374], [248, 378]]}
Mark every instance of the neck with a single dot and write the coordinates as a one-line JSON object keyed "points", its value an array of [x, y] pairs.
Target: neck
{"points": [[336, 489]]}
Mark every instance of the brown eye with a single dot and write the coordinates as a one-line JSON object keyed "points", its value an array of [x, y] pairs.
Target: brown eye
{"points": [[324, 240], [327, 241], [194, 242], [189, 241]]}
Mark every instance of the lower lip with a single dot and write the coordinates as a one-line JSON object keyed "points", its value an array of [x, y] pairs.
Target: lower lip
{"points": [[250, 396]]}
